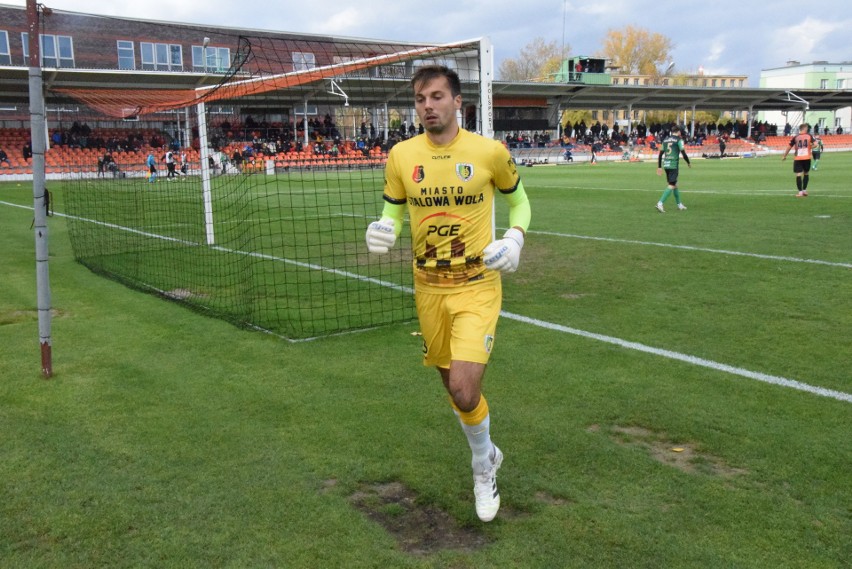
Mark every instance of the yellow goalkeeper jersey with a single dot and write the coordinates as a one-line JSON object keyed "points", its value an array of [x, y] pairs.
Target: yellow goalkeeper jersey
{"points": [[449, 191]]}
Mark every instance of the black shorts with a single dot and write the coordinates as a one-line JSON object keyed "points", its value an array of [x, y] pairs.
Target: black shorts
{"points": [[816, 154], [152, 169], [801, 166], [671, 176]]}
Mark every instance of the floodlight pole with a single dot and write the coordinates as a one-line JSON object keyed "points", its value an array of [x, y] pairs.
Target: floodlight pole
{"points": [[40, 199]]}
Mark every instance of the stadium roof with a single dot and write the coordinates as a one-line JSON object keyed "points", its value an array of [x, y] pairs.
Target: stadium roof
{"points": [[14, 90], [574, 96]]}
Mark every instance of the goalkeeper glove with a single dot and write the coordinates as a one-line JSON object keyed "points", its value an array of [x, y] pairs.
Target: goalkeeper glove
{"points": [[504, 255], [381, 235]]}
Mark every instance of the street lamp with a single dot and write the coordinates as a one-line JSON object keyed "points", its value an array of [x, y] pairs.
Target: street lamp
{"points": [[204, 45]]}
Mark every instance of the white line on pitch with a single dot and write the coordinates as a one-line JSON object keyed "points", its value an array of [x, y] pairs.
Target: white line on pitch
{"points": [[692, 248], [766, 378], [768, 193]]}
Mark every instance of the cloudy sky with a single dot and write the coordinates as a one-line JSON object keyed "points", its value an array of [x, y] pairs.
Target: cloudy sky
{"points": [[722, 36]]}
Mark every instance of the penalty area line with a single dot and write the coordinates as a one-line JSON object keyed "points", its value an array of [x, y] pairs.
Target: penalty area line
{"points": [[694, 360]]}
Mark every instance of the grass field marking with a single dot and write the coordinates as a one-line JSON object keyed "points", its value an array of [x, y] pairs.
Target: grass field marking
{"points": [[264, 256], [767, 193], [693, 248], [315, 267], [694, 360], [113, 226], [774, 380], [301, 218]]}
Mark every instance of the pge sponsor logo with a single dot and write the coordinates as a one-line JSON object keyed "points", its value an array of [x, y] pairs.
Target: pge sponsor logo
{"points": [[444, 230]]}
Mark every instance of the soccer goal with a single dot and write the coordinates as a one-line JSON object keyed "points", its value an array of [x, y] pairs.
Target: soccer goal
{"points": [[262, 185]]}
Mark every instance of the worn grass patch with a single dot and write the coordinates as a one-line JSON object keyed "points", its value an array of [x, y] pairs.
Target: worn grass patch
{"points": [[685, 456], [419, 529]]}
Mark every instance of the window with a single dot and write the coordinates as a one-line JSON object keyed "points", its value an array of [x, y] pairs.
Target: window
{"points": [[303, 60], [712, 82], [126, 55], [161, 56], [5, 54], [840, 84], [56, 51], [823, 83], [723, 82], [211, 59], [176, 57]]}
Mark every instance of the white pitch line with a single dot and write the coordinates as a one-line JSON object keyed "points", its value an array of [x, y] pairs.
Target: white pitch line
{"points": [[693, 248], [767, 193], [694, 360]]}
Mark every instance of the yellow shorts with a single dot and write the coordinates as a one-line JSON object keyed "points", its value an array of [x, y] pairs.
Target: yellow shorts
{"points": [[459, 325]]}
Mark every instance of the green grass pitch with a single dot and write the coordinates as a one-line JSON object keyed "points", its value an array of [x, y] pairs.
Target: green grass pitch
{"points": [[670, 390]]}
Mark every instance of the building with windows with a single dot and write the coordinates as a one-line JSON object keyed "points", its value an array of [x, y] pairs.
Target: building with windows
{"points": [[821, 75], [71, 40]]}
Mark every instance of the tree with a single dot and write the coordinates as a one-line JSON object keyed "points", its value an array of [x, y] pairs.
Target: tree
{"points": [[636, 50], [538, 61]]}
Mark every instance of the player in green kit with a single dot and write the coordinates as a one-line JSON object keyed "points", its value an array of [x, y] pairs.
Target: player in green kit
{"points": [[817, 151], [669, 160]]}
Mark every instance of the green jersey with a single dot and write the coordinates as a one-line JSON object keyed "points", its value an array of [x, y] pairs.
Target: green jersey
{"points": [[670, 152]]}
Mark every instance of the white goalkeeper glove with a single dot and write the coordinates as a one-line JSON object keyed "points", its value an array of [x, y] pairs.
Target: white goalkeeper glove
{"points": [[381, 235], [504, 255]]}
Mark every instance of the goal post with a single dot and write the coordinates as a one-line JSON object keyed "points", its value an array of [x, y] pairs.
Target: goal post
{"points": [[204, 167], [271, 236]]}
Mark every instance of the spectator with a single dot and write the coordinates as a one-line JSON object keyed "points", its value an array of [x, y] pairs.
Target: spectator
{"points": [[4, 158], [237, 159]]}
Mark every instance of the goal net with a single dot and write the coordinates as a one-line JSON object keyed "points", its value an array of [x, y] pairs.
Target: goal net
{"points": [[263, 183]]}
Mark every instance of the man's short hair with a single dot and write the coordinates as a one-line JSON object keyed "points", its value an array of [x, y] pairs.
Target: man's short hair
{"points": [[804, 126], [427, 73], [675, 128]]}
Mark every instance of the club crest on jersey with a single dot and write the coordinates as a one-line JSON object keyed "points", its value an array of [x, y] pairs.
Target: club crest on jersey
{"points": [[489, 343], [418, 174], [464, 171]]}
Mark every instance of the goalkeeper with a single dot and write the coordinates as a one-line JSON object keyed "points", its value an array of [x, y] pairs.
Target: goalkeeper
{"points": [[447, 177]]}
